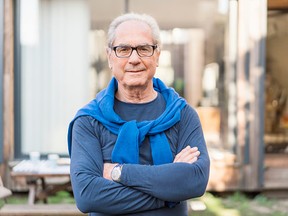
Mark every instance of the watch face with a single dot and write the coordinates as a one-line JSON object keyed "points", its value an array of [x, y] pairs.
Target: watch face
{"points": [[116, 173]]}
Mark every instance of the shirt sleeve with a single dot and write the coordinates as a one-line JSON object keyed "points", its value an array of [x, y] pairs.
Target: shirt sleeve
{"points": [[175, 181], [92, 192]]}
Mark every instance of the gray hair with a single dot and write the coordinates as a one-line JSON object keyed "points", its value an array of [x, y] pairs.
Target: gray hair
{"points": [[150, 21]]}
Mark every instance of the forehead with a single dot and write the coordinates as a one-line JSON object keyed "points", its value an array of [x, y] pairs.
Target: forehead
{"points": [[133, 32]]}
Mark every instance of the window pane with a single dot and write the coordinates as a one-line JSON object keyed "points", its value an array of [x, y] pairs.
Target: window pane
{"points": [[54, 71]]}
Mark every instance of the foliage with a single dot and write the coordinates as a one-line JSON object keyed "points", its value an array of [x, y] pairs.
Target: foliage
{"points": [[236, 204], [239, 204], [21, 198]]}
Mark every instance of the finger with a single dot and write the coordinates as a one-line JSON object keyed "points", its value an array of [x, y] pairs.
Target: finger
{"points": [[188, 158], [179, 155], [194, 160], [195, 155], [194, 149], [187, 152], [184, 153]]}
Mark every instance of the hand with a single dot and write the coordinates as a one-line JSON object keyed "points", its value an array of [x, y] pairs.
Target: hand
{"points": [[187, 155], [108, 169]]}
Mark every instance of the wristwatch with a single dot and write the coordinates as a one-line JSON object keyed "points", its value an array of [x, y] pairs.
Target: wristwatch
{"points": [[116, 173]]}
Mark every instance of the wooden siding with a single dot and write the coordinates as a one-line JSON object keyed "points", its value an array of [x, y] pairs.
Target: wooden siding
{"points": [[8, 86], [278, 4], [250, 91]]}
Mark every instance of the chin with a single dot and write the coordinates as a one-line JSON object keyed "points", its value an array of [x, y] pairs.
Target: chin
{"points": [[136, 83]]}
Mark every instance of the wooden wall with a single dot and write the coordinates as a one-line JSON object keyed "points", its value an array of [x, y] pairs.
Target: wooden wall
{"points": [[277, 4], [252, 21], [8, 86]]}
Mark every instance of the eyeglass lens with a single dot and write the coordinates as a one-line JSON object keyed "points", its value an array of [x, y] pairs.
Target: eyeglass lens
{"points": [[142, 51]]}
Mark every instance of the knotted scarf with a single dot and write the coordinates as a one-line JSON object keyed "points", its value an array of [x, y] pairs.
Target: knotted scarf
{"points": [[132, 133]]}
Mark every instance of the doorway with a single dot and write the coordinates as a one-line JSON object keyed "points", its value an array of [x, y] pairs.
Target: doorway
{"points": [[276, 103]]}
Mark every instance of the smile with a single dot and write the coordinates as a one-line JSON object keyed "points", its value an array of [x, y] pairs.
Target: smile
{"points": [[135, 71]]}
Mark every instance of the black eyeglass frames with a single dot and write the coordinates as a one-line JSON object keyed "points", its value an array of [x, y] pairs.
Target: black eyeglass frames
{"points": [[125, 51]]}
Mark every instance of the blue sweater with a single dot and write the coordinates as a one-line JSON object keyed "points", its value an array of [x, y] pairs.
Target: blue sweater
{"points": [[144, 187]]}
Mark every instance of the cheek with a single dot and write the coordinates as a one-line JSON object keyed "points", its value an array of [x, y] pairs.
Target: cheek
{"points": [[154, 64], [118, 65], [115, 63]]}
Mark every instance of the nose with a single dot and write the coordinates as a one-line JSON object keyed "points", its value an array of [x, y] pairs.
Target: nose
{"points": [[134, 58]]}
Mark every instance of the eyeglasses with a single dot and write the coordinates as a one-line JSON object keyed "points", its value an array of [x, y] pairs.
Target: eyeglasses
{"points": [[126, 51]]}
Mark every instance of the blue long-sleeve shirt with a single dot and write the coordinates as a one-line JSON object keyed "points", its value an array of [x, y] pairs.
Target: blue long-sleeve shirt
{"points": [[144, 187]]}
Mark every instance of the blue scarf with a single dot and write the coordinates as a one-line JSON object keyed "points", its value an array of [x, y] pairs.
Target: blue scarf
{"points": [[131, 134]]}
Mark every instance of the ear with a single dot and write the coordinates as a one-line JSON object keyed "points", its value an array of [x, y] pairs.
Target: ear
{"points": [[157, 57], [108, 54]]}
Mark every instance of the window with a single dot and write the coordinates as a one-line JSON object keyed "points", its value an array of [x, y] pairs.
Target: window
{"points": [[54, 72]]}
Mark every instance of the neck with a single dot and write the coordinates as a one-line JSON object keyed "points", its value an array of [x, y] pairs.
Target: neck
{"points": [[135, 95]]}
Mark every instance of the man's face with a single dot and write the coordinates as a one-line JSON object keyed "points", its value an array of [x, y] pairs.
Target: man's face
{"points": [[134, 71]]}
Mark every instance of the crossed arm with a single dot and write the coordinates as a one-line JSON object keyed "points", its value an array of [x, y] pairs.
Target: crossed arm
{"points": [[187, 155], [142, 187]]}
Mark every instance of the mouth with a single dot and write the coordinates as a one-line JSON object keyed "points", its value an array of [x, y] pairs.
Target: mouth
{"points": [[135, 70]]}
